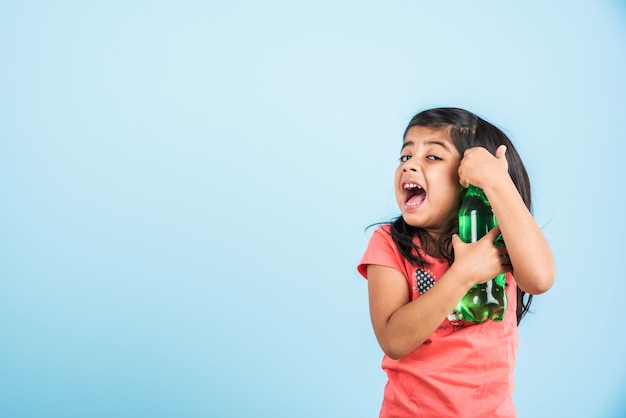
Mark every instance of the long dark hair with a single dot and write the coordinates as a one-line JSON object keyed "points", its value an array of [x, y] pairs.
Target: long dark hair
{"points": [[466, 130]]}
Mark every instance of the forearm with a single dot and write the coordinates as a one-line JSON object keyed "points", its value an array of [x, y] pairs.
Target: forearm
{"points": [[529, 252], [407, 327]]}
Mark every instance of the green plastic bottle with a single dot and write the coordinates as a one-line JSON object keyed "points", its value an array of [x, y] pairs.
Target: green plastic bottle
{"points": [[488, 300]]}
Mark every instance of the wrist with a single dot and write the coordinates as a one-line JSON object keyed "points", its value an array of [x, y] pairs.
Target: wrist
{"points": [[461, 279], [498, 184]]}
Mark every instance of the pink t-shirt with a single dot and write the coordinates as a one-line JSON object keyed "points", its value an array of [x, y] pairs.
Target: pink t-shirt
{"points": [[463, 369]]}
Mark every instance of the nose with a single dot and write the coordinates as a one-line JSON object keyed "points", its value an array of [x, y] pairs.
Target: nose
{"points": [[411, 165]]}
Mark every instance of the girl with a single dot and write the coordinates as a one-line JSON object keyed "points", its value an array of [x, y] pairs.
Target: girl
{"points": [[418, 270]]}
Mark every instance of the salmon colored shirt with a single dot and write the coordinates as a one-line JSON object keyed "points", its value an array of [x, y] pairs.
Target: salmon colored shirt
{"points": [[462, 369]]}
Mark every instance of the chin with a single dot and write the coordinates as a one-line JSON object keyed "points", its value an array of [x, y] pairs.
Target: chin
{"points": [[411, 221]]}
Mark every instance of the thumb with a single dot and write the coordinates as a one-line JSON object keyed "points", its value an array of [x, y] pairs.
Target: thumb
{"points": [[501, 152], [493, 233], [457, 244]]}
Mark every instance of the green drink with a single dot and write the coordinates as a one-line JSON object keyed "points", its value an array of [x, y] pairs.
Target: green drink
{"points": [[488, 300]]}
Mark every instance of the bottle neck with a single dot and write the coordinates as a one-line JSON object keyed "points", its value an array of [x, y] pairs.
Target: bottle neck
{"points": [[473, 191]]}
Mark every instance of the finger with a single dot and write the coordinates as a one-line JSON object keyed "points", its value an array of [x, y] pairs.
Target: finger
{"points": [[456, 239], [462, 180], [457, 242], [493, 233], [503, 252], [470, 150]]}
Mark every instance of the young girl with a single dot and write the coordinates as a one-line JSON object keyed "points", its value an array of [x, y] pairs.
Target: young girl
{"points": [[418, 270]]}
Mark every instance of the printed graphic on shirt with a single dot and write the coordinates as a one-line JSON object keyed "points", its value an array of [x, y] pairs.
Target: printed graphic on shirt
{"points": [[424, 281]]}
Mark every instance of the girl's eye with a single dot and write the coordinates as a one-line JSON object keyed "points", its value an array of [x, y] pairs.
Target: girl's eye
{"points": [[405, 158], [433, 158]]}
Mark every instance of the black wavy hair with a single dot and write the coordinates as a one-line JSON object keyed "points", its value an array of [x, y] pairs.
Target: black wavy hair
{"points": [[466, 130]]}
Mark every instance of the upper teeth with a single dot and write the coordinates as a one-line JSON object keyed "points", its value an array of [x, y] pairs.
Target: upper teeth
{"points": [[411, 186]]}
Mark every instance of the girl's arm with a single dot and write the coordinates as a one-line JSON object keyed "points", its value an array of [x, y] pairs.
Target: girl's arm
{"points": [[533, 263], [402, 325]]}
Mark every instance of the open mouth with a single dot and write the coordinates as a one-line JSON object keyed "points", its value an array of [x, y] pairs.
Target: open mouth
{"points": [[414, 195]]}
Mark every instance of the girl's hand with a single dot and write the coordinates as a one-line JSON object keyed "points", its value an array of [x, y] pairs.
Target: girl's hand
{"points": [[480, 261], [479, 168]]}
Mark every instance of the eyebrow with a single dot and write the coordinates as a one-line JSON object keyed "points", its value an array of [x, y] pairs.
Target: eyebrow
{"points": [[442, 144]]}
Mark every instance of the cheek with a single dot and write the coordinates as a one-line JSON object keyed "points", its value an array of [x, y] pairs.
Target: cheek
{"points": [[396, 178], [454, 176], [453, 193], [397, 174], [396, 185], [448, 178]]}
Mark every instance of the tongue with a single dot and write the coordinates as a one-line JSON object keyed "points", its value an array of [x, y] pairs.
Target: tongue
{"points": [[416, 199]]}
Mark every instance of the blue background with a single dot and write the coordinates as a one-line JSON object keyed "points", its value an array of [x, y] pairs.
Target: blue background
{"points": [[186, 186]]}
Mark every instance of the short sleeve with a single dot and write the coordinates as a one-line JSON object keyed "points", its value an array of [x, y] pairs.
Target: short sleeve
{"points": [[382, 251]]}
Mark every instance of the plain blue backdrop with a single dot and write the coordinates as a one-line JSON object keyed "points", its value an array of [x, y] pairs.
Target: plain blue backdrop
{"points": [[186, 186]]}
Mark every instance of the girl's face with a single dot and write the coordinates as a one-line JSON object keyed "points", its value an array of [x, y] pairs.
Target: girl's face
{"points": [[427, 180]]}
